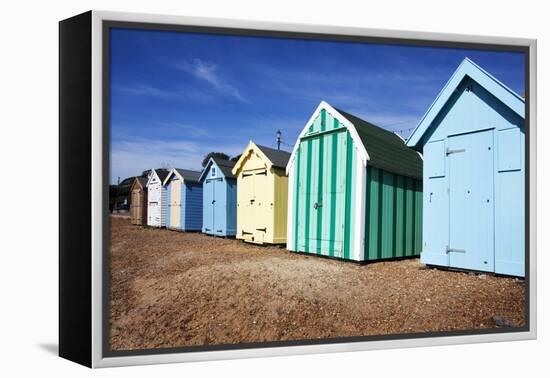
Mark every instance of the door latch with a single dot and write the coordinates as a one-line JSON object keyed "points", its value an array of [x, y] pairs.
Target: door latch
{"points": [[450, 152], [317, 205], [449, 250]]}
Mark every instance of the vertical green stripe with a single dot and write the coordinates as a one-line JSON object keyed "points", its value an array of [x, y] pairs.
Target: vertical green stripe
{"points": [[409, 217], [404, 216], [307, 205], [374, 228], [319, 198], [380, 213], [297, 196], [413, 216], [334, 196], [348, 196], [400, 218], [395, 222], [368, 211]]}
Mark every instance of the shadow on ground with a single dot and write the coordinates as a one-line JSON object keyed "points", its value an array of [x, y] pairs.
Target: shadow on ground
{"points": [[51, 348]]}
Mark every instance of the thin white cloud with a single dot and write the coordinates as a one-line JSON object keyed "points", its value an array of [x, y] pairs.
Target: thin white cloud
{"points": [[165, 93], [146, 90], [210, 73], [185, 129]]}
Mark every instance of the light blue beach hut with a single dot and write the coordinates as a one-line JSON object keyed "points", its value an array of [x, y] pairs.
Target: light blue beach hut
{"points": [[473, 141], [219, 216], [184, 199]]}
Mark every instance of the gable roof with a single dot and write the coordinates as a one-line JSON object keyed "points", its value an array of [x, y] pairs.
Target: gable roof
{"points": [[224, 165], [467, 69], [161, 173], [127, 182], [141, 180], [184, 174], [275, 158], [386, 150], [278, 158], [380, 148]]}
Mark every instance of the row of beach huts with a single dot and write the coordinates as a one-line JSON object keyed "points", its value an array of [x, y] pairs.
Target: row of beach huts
{"points": [[453, 192]]}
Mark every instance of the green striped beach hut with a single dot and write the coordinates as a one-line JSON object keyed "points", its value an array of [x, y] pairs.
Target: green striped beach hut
{"points": [[354, 190]]}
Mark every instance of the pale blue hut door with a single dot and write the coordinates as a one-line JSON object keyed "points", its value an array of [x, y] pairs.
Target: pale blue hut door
{"points": [[209, 200], [471, 188], [218, 207]]}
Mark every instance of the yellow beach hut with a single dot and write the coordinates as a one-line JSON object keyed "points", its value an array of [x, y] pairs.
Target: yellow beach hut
{"points": [[262, 192]]}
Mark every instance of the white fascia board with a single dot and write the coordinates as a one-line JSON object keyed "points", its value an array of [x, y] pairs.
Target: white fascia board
{"points": [[360, 208], [173, 171]]}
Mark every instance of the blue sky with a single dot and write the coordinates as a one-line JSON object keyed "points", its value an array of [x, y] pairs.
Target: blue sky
{"points": [[177, 96]]}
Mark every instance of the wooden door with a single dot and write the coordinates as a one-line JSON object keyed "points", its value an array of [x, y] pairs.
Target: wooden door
{"points": [[135, 206]]}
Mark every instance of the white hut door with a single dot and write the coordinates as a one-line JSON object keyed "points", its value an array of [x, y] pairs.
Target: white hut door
{"points": [[154, 209], [175, 205], [471, 227]]}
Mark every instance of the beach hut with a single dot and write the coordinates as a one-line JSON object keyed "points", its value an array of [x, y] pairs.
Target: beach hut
{"points": [[219, 201], [262, 189], [473, 141], [355, 190], [156, 198], [138, 201], [184, 200]]}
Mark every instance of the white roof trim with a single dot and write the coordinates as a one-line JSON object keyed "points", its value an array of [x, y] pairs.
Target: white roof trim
{"points": [[362, 151], [251, 146], [151, 175], [172, 171], [400, 137]]}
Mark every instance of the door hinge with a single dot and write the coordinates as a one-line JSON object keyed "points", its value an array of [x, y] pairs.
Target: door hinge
{"points": [[449, 250], [449, 151], [262, 229]]}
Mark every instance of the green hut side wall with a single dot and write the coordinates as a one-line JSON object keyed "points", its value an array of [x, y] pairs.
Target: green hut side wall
{"points": [[393, 224]]}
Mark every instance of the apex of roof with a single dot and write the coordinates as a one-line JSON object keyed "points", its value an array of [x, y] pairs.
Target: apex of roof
{"points": [[185, 174], [161, 173], [470, 69], [276, 158], [225, 166]]}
